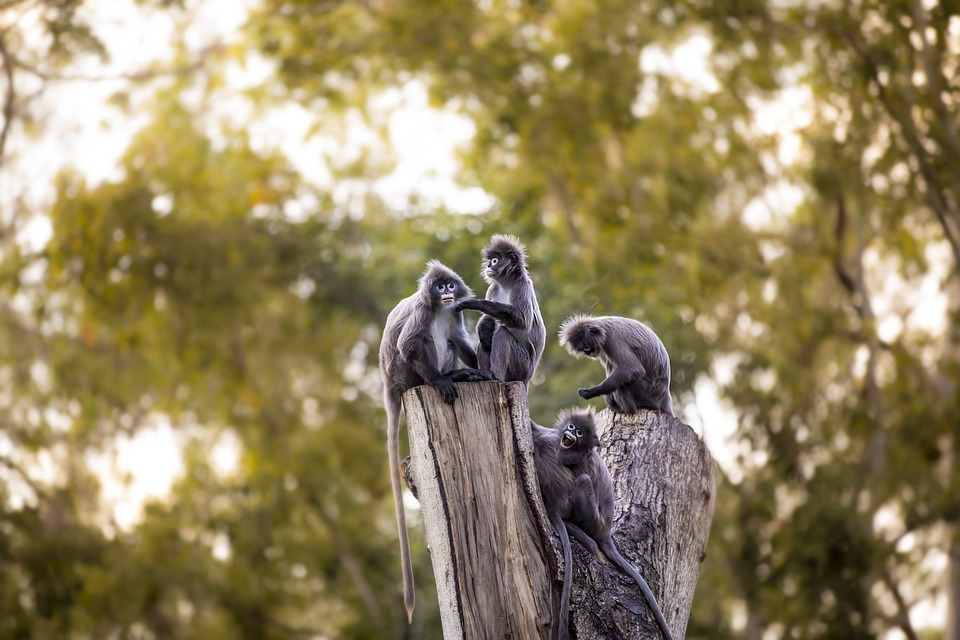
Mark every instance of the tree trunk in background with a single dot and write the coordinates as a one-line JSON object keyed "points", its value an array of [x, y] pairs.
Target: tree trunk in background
{"points": [[496, 559], [953, 583]]}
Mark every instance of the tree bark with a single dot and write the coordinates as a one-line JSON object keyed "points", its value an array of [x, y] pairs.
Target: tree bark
{"points": [[495, 556]]}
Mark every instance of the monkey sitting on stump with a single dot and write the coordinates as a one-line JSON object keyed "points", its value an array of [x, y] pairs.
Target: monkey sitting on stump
{"points": [[587, 511], [634, 358], [423, 338], [511, 331]]}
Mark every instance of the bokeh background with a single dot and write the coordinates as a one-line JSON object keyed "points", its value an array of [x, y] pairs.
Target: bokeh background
{"points": [[208, 207]]}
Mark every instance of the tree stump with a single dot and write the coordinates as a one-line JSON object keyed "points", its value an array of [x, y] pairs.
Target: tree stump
{"points": [[495, 556]]}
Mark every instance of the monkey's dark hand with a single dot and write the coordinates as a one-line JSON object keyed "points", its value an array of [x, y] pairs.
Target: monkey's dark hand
{"points": [[485, 329], [465, 304], [445, 386], [586, 394]]}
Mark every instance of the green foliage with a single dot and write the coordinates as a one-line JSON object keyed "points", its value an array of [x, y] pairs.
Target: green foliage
{"points": [[213, 288]]}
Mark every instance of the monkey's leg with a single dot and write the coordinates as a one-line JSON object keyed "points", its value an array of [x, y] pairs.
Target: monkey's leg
{"points": [[512, 357], [581, 536], [501, 351], [483, 357], [624, 401], [428, 371], [653, 394], [485, 328], [585, 506]]}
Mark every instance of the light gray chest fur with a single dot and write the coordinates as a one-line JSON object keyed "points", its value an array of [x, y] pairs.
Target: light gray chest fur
{"points": [[444, 326], [500, 293]]}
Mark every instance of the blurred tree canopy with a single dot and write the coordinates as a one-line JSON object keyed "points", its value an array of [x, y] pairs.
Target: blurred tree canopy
{"points": [[773, 186]]}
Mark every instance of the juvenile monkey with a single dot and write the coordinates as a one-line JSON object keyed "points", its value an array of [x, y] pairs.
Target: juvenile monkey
{"points": [[423, 338], [591, 503], [511, 331], [634, 358]]}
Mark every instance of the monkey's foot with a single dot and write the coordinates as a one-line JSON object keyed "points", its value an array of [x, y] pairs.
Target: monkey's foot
{"points": [[471, 375]]}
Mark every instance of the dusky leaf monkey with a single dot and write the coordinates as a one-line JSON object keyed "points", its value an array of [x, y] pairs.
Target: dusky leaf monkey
{"points": [[511, 332], [423, 339], [635, 360], [554, 455], [591, 502]]}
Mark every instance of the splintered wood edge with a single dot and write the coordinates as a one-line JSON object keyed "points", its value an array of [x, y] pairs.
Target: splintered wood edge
{"points": [[433, 509]]}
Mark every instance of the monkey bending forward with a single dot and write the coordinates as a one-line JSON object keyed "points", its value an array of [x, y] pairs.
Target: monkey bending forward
{"points": [[423, 338], [577, 490], [511, 331], [634, 358]]}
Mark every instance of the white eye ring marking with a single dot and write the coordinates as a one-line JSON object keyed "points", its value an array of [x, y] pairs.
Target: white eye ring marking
{"points": [[494, 261]]}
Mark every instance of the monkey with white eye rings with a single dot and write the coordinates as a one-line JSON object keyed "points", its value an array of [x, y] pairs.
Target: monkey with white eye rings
{"points": [[423, 339], [511, 332], [556, 488], [636, 362], [588, 513]]}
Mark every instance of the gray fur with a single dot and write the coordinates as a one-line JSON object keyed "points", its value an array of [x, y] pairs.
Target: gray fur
{"points": [[591, 505], [422, 341], [511, 331], [556, 488], [635, 360]]}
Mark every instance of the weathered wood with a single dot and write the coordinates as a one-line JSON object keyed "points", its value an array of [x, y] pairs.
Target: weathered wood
{"points": [[493, 552], [473, 463], [664, 484]]}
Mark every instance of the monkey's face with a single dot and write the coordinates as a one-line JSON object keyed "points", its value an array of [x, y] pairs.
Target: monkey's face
{"points": [[571, 436], [498, 265], [583, 339], [576, 442], [446, 292]]}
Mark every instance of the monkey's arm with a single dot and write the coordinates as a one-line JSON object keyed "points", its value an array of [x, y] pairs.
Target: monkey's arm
{"points": [[588, 543], [508, 314], [619, 378], [464, 351], [423, 364]]}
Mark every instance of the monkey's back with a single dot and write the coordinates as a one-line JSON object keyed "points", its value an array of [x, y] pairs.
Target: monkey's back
{"points": [[396, 371], [556, 480], [629, 341]]}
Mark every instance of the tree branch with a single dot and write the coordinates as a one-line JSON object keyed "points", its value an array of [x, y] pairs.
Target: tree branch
{"points": [[9, 98]]}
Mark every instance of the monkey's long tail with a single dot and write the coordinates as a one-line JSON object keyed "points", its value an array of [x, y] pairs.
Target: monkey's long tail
{"points": [[563, 624], [393, 404], [610, 550]]}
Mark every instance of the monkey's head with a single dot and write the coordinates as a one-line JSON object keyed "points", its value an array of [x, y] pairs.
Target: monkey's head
{"points": [[582, 337], [442, 286], [504, 258], [579, 433]]}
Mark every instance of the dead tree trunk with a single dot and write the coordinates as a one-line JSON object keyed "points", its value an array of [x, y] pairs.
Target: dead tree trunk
{"points": [[495, 556]]}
